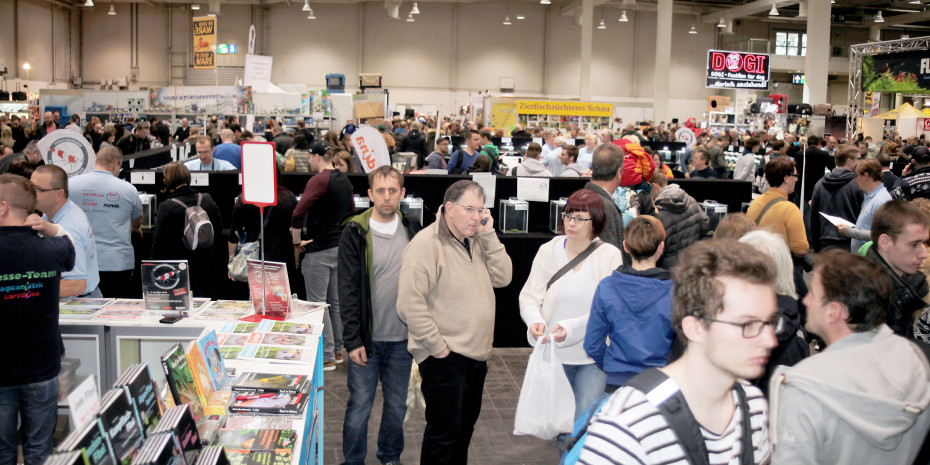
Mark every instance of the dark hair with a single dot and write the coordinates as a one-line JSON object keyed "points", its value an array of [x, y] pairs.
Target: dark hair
{"points": [[571, 151], [778, 145], [176, 175], [18, 191], [643, 236], [470, 132], [777, 169], [455, 192], [346, 158], [584, 200], [813, 141], [753, 141], [485, 133], [844, 153], [58, 174], [895, 215], [482, 164], [533, 150], [867, 299], [606, 161], [301, 143], [734, 226], [704, 155], [871, 167], [22, 167], [385, 171], [698, 291], [884, 160]]}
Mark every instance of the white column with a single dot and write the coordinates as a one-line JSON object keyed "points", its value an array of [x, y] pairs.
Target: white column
{"points": [[587, 32], [818, 52], [660, 109]]}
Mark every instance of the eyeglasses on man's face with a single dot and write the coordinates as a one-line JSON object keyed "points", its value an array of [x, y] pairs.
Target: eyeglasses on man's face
{"points": [[470, 210], [574, 219], [753, 328]]}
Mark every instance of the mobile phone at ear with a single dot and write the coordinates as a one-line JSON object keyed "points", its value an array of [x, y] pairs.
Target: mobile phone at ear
{"points": [[484, 221]]}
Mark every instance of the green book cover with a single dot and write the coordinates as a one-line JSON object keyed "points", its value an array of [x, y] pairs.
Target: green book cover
{"points": [[181, 380]]}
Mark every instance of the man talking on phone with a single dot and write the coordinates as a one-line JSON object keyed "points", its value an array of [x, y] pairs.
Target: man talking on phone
{"points": [[446, 297], [915, 180]]}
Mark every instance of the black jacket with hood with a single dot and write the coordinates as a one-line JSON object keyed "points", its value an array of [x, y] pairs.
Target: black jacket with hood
{"points": [[837, 194], [415, 142], [684, 221], [909, 292]]}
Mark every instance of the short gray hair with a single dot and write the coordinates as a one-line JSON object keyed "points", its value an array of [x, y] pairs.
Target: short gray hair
{"points": [[774, 246], [455, 192], [606, 161]]}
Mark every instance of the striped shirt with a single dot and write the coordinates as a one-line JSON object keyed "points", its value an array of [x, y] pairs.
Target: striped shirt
{"points": [[631, 430]]}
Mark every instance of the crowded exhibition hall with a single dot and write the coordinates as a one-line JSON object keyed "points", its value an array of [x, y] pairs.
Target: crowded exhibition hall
{"points": [[486, 232]]}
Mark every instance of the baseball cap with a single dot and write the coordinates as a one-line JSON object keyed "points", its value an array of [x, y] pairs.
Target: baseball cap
{"points": [[921, 154], [349, 129], [320, 147]]}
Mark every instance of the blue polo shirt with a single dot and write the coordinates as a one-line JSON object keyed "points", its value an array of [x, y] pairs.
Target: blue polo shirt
{"points": [[75, 222], [229, 152], [110, 204]]}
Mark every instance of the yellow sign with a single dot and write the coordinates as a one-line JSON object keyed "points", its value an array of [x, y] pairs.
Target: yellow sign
{"points": [[205, 42], [868, 98], [503, 113], [547, 107]]}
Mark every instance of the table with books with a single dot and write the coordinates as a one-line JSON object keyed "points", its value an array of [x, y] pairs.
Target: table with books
{"points": [[253, 387]]}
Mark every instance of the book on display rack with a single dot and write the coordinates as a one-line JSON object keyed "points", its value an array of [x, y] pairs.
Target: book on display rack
{"points": [[143, 391], [160, 449], [118, 419], [77, 457], [179, 421], [92, 441]]}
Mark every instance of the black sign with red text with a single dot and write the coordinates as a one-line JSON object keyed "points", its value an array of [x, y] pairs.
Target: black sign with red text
{"points": [[737, 70]]}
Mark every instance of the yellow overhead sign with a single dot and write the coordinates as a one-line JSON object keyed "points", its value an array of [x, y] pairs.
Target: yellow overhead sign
{"points": [[205, 42], [548, 107]]}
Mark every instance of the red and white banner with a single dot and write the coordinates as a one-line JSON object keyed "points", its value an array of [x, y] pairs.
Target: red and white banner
{"points": [[370, 148]]}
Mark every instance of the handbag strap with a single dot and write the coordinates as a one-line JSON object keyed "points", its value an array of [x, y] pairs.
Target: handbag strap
{"points": [[767, 207], [574, 262]]}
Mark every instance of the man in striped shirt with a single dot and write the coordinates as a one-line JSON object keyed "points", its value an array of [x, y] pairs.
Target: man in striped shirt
{"points": [[723, 310]]}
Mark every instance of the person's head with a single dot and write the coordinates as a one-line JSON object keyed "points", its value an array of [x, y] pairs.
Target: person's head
{"points": [[482, 164], [920, 157], [568, 155], [884, 160], [644, 238], [195, 133], [533, 151], [607, 163], [848, 294], [723, 306], [51, 184], [300, 142], [463, 208], [204, 146], [385, 189], [899, 230], [846, 156], [583, 215], [485, 136], [184, 122], [48, 117], [176, 176], [659, 181], [734, 226], [442, 145], [779, 146], [301, 123], [776, 248], [701, 159], [551, 134], [143, 129], [110, 159], [473, 139], [227, 136], [75, 119], [607, 136], [753, 144], [321, 155], [344, 162], [14, 121], [868, 174], [17, 199], [781, 173], [813, 141]]}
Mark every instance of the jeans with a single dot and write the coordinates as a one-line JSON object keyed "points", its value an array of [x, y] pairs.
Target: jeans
{"points": [[588, 383], [452, 387], [37, 405], [390, 362], [320, 278]]}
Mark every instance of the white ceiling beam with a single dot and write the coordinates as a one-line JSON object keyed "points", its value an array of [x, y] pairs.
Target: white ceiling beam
{"points": [[748, 9]]}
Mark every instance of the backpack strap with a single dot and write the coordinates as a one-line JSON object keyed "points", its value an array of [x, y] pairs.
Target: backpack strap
{"points": [[767, 207], [574, 262], [179, 203], [746, 449], [199, 199]]}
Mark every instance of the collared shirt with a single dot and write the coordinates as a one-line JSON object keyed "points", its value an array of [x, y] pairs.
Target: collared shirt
{"points": [[229, 152], [110, 204], [217, 165], [75, 222], [870, 204], [585, 157], [550, 159]]}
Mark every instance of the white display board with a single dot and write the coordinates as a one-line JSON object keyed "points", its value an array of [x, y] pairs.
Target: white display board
{"points": [[259, 177], [69, 150], [258, 72]]}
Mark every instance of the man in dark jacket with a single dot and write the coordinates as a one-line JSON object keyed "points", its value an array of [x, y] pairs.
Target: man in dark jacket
{"points": [[899, 230], [139, 141], [837, 195], [415, 142], [606, 169], [915, 181], [889, 179], [684, 220], [370, 252], [811, 166]]}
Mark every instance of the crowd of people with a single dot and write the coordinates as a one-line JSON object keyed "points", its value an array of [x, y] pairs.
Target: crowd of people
{"points": [[797, 332]]}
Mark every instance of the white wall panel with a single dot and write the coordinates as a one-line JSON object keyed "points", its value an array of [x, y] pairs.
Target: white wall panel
{"points": [[62, 45], [233, 28], [35, 40], [562, 56], [612, 62], [106, 44], [153, 44], [7, 54], [306, 50]]}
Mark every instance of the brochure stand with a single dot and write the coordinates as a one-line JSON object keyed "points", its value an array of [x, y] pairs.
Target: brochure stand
{"points": [[260, 188]]}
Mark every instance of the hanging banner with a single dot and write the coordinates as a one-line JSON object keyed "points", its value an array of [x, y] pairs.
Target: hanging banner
{"points": [[370, 147], [876, 102], [907, 72], [737, 70], [213, 99], [547, 107], [502, 114], [252, 40], [257, 72], [205, 42], [69, 150]]}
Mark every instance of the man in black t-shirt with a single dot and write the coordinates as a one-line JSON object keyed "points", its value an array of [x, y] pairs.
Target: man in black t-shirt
{"points": [[30, 273]]}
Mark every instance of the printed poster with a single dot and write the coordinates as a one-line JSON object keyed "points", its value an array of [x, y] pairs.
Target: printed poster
{"points": [[166, 286], [277, 289], [205, 42]]}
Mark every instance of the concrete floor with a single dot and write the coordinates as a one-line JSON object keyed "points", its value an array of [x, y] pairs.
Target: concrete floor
{"points": [[493, 442]]}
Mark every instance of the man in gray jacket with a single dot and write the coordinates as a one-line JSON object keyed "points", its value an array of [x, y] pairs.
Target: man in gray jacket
{"points": [[606, 169], [684, 220], [531, 165], [865, 398]]}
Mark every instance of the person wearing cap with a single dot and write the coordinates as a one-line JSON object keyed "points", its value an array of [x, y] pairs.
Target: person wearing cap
{"points": [[915, 180], [345, 139], [326, 199], [437, 159]]}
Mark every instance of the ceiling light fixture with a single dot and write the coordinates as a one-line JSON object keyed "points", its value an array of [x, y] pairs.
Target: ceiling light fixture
{"points": [[545, 2], [722, 23], [89, 3], [602, 26], [410, 18], [306, 5], [915, 2], [311, 14], [623, 17], [507, 20], [773, 11], [414, 10], [693, 30], [878, 18], [521, 16], [112, 11], [195, 6]]}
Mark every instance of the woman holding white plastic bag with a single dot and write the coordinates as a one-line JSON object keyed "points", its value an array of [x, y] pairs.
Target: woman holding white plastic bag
{"points": [[556, 299]]}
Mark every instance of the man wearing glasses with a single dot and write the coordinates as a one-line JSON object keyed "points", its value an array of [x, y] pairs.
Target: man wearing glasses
{"points": [[51, 184], [772, 211], [446, 297], [114, 211], [723, 311], [865, 398]]}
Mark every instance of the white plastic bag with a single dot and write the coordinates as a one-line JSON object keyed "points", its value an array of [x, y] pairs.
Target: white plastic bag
{"points": [[547, 403]]}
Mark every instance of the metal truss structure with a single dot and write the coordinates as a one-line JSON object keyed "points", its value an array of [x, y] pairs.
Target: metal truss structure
{"points": [[855, 93]]}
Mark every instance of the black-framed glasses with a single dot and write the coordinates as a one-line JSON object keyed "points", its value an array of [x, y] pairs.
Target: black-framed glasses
{"points": [[42, 189], [793, 175], [753, 328], [575, 219], [470, 210]]}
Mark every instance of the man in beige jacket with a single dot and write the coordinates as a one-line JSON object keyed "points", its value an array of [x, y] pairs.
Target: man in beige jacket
{"points": [[446, 297]]}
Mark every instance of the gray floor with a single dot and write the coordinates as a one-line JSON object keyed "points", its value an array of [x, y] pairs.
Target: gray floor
{"points": [[493, 442]]}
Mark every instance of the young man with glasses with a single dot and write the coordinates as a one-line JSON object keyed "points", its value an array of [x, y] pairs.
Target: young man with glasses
{"points": [[114, 211], [446, 297], [724, 307], [863, 399]]}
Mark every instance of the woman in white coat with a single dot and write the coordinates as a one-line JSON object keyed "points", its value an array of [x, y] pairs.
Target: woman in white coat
{"points": [[558, 313]]}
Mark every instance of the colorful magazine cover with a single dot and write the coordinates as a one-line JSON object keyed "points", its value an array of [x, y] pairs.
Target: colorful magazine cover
{"points": [[213, 360], [276, 354], [277, 288], [248, 440], [120, 314], [232, 340], [166, 286], [273, 326], [278, 339], [125, 304], [230, 353], [238, 327], [181, 380]]}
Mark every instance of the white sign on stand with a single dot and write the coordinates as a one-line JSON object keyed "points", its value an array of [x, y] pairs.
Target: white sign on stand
{"points": [[533, 189], [370, 147], [258, 72], [260, 188], [83, 401]]}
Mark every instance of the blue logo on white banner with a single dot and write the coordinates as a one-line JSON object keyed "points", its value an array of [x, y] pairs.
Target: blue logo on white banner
{"points": [[69, 150]]}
